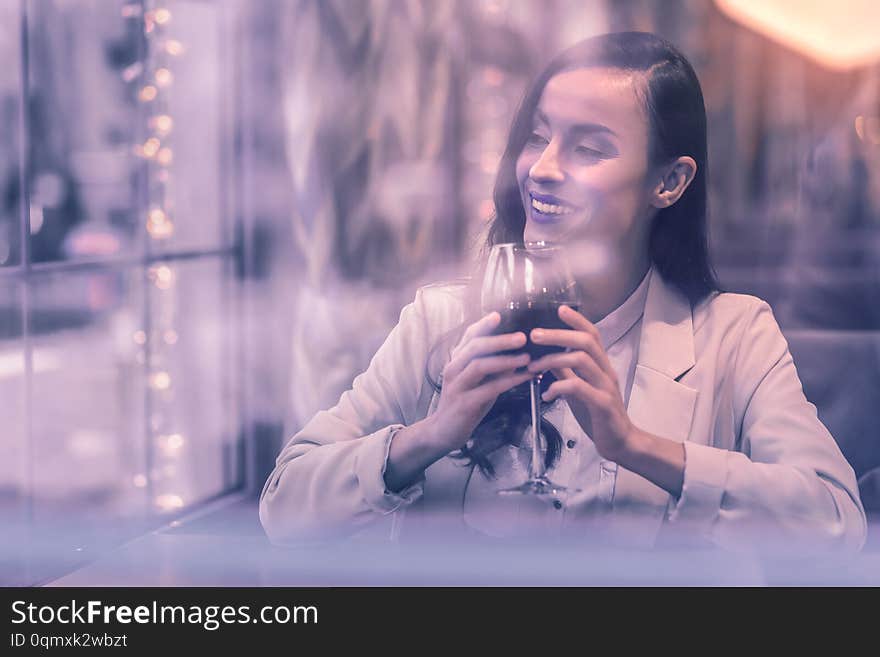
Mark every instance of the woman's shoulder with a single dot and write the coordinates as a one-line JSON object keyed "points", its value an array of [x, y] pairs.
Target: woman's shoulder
{"points": [[731, 302], [448, 289], [443, 299], [443, 309], [724, 310]]}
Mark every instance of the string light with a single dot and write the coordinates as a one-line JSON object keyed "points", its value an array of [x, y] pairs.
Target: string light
{"points": [[150, 147], [160, 380], [148, 93], [163, 77], [162, 276], [173, 47], [171, 442], [154, 78], [159, 226], [162, 124], [169, 502], [165, 157]]}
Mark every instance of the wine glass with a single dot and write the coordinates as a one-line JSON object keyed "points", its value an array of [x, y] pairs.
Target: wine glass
{"points": [[527, 284]]}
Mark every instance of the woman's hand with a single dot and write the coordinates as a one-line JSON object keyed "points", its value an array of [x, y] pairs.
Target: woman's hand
{"points": [[474, 378], [586, 380]]}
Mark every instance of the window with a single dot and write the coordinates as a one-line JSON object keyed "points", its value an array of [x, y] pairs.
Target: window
{"points": [[119, 336]]}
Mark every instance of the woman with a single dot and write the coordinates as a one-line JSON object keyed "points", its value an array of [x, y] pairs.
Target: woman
{"points": [[676, 412]]}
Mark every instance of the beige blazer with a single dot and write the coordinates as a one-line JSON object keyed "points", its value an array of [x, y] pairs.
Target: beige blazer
{"points": [[719, 378]]}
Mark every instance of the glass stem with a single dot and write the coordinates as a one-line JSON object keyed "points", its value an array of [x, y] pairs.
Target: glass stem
{"points": [[536, 469]]}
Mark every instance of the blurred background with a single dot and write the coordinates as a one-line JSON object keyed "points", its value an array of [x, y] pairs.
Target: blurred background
{"points": [[212, 212]]}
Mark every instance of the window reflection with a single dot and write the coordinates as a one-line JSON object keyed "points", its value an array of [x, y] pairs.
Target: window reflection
{"points": [[10, 170], [87, 424], [116, 380], [13, 465], [81, 177], [133, 408], [192, 399], [111, 130]]}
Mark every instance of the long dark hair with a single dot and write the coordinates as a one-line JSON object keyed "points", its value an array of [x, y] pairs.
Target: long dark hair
{"points": [[678, 241]]}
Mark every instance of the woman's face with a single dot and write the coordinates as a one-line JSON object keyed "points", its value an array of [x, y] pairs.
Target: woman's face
{"points": [[583, 172]]}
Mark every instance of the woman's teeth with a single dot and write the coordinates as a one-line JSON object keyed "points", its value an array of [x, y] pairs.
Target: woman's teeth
{"points": [[548, 208]]}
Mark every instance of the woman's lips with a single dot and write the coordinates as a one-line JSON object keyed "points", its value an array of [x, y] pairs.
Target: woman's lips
{"points": [[541, 218], [545, 209]]}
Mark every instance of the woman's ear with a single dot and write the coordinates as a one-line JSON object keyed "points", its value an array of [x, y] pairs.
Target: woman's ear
{"points": [[675, 179]]}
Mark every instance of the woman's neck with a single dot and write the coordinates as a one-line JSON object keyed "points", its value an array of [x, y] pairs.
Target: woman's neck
{"points": [[604, 291]]}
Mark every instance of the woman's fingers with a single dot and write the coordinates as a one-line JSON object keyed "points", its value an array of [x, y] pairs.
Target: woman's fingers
{"points": [[491, 344], [477, 341], [562, 373], [576, 340], [490, 390], [578, 362], [483, 326], [479, 368], [578, 322], [578, 389]]}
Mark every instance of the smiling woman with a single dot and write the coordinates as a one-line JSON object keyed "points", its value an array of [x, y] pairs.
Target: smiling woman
{"points": [[675, 413]]}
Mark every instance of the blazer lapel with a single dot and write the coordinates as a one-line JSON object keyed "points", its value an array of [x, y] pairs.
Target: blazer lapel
{"points": [[658, 404]]}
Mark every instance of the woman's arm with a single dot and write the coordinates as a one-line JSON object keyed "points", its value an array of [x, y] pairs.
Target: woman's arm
{"points": [[366, 457], [328, 478], [787, 486]]}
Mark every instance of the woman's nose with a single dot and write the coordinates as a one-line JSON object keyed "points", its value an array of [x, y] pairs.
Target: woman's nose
{"points": [[546, 168]]}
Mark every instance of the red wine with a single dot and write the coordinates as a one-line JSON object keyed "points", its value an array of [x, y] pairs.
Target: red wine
{"points": [[527, 315]]}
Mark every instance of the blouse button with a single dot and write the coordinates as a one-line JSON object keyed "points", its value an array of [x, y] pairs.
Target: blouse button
{"points": [[570, 444], [557, 504]]}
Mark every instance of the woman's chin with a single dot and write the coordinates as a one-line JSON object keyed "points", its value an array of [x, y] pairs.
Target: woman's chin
{"points": [[536, 231]]}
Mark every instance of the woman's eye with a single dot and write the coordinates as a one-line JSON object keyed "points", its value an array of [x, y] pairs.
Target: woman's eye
{"points": [[586, 151], [537, 139]]}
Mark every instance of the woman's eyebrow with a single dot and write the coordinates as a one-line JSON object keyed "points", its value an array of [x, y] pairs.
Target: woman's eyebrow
{"points": [[578, 128], [590, 128]]}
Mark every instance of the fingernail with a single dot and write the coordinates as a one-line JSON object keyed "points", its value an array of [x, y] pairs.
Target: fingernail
{"points": [[545, 397], [537, 334]]}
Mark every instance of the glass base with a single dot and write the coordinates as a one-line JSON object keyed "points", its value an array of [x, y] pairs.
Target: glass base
{"points": [[539, 486]]}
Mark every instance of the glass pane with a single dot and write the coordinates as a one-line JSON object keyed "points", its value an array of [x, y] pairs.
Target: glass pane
{"points": [[10, 155], [83, 122], [88, 439], [125, 111], [134, 415], [192, 399], [186, 174], [13, 445]]}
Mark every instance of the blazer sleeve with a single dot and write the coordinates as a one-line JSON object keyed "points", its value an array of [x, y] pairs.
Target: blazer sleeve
{"points": [[328, 479], [787, 485]]}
